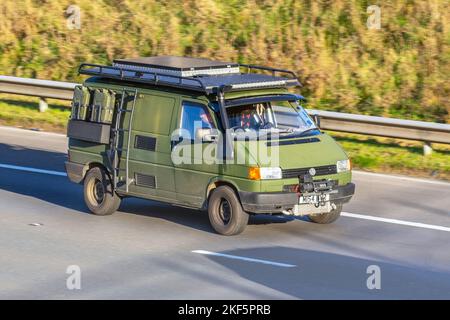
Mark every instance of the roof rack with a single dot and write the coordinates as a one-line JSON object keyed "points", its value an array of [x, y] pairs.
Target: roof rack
{"points": [[178, 66], [202, 75]]}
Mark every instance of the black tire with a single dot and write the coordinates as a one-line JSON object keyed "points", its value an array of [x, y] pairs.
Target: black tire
{"points": [[325, 218], [98, 193], [225, 212]]}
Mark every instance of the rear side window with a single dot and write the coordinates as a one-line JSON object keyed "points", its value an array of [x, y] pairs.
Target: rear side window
{"points": [[194, 116]]}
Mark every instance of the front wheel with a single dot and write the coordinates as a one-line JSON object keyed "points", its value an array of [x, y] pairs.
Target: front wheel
{"points": [[99, 195], [225, 212], [325, 218]]}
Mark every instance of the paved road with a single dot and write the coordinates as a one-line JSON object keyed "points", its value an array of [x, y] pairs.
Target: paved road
{"points": [[150, 250]]}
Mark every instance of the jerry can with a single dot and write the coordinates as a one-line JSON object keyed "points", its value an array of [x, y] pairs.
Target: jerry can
{"points": [[80, 103], [103, 106]]}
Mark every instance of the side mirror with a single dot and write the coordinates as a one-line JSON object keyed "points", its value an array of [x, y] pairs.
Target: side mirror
{"points": [[206, 135]]}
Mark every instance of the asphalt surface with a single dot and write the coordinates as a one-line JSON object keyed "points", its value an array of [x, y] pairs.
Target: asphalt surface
{"points": [[149, 250]]}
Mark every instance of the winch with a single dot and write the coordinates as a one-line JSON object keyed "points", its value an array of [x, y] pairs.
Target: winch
{"points": [[313, 196]]}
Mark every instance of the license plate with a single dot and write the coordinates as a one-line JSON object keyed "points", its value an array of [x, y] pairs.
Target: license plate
{"points": [[308, 208], [316, 199]]}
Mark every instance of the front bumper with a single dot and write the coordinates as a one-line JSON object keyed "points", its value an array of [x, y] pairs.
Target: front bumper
{"points": [[277, 202]]}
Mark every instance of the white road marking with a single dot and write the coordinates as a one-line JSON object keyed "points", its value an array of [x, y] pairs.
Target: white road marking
{"points": [[344, 214], [22, 130], [35, 170], [273, 263], [382, 175], [395, 221]]}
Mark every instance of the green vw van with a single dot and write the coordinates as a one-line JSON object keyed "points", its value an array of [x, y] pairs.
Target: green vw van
{"points": [[224, 137]]}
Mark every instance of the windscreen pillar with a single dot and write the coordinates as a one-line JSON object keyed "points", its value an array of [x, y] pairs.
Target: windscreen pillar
{"points": [[226, 149]]}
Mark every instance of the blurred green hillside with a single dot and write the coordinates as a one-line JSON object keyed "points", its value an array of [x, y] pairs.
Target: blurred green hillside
{"points": [[401, 70]]}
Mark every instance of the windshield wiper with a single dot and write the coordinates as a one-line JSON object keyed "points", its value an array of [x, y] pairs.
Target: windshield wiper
{"points": [[307, 130], [284, 131]]}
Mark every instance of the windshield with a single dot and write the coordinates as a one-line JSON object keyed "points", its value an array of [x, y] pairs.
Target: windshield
{"points": [[282, 116]]}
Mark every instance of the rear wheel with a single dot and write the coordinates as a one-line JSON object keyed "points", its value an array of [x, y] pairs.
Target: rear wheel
{"points": [[325, 218], [225, 212], [99, 195]]}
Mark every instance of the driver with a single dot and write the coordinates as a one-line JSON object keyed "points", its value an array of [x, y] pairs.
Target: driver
{"points": [[246, 119], [250, 118], [253, 118]]}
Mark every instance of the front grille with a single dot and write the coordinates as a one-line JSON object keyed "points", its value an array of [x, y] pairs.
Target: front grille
{"points": [[320, 171], [320, 184]]}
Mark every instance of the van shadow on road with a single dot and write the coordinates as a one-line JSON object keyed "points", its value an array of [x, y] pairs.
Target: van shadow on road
{"points": [[61, 192], [317, 275], [321, 275], [53, 189], [35, 158], [195, 219]]}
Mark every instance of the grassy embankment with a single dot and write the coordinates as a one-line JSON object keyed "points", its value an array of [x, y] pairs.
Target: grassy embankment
{"points": [[401, 70]]}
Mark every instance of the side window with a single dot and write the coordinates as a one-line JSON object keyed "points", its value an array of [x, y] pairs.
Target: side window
{"points": [[194, 116]]}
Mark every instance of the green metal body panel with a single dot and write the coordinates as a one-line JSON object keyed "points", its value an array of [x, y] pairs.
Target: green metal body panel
{"points": [[157, 114]]}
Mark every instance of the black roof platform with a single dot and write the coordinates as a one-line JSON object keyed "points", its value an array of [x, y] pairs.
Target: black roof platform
{"points": [[179, 66], [196, 74]]}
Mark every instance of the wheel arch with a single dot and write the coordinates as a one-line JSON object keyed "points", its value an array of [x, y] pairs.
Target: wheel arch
{"points": [[88, 166], [214, 183]]}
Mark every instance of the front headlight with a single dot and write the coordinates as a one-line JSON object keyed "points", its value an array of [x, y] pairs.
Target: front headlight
{"points": [[343, 165], [256, 173]]}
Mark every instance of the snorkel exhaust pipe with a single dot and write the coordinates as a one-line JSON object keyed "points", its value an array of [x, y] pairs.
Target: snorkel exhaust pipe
{"points": [[226, 149]]}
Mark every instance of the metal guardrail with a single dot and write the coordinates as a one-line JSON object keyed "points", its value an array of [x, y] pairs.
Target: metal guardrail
{"points": [[334, 121], [384, 127], [37, 88]]}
